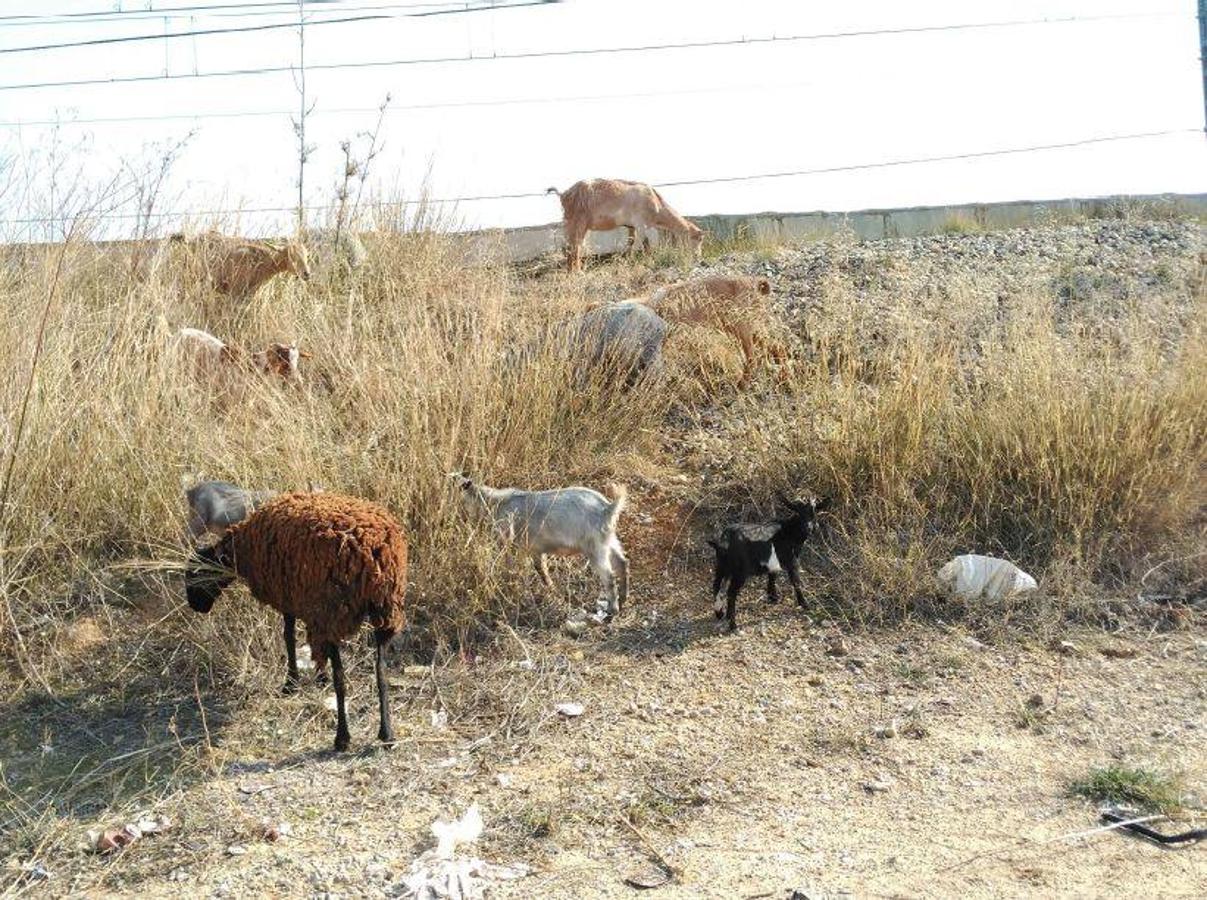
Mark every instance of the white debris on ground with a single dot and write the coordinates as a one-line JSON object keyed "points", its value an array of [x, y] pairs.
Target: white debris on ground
{"points": [[110, 839], [440, 874], [972, 576]]}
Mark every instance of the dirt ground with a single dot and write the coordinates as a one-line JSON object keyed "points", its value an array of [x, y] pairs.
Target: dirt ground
{"points": [[796, 754]]}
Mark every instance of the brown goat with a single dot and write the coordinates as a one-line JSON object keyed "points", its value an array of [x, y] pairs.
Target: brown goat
{"points": [[238, 268], [217, 362], [733, 304], [601, 204], [330, 560]]}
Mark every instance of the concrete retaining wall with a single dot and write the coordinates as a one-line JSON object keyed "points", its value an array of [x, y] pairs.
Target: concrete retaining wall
{"points": [[519, 244]]}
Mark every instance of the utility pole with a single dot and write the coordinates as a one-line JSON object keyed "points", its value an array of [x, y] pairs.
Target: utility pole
{"points": [[1203, 54], [299, 126]]}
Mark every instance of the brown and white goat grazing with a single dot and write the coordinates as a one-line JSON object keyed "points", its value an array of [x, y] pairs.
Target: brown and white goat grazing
{"points": [[601, 204], [214, 361], [238, 268], [733, 304]]}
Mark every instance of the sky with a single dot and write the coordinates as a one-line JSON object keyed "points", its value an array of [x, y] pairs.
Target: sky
{"points": [[517, 126]]}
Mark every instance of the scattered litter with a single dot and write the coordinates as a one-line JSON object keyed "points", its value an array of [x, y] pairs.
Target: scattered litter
{"points": [[526, 664], [647, 877], [887, 731], [331, 703], [879, 786], [450, 835], [575, 627], [236, 850], [110, 839], [1067, 648], [836, 646], [503, 779], [273, 831], [440, 719], [570, 710], [432, 878], [304, 660], [1118, 651], [972, 576], [1125, 819], [252, 789]]}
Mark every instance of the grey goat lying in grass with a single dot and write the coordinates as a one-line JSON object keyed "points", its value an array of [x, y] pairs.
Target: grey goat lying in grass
{"points": [[571, 521]]}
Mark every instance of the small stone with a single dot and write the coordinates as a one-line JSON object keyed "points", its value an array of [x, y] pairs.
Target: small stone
{"points": [[236, 850], [836, 646], [1118, 651], [1067, 648], [575, 627], [880, 786], [886, 731]]}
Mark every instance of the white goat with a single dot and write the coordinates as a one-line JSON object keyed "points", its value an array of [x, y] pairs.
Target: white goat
{"points": [[569, 521]]}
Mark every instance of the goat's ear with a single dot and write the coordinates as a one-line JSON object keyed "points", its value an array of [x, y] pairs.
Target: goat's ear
{"points": [[822, 505]]}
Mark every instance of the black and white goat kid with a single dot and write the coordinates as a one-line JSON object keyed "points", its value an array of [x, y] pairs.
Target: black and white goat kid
{"points": [[745, 551]]}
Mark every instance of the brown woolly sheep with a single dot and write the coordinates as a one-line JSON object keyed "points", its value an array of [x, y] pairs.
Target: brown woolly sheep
{"points": [[601, 204], [733, 304], [330, 560], [238, 268]]}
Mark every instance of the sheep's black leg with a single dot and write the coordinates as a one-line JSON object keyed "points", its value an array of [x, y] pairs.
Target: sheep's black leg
{"points": [[291, 655], [772, 594], [794, 577], [342, 737], [731, 601], [385, 733]]}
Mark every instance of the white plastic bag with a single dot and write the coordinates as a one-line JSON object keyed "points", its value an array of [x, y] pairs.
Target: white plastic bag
{"points": [[972, 576]]}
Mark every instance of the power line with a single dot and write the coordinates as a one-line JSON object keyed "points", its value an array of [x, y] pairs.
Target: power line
{"points": [[310, 23], [592, 51], [131, 38], [115, 15], [408, 107], [726, 179], [196, 12]]}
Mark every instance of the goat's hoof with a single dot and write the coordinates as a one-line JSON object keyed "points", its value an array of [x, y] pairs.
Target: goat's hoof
{"points": [[719, 615], [387, 739], [773, 599], [322, 679], [732, 628], [342, 743], [290, 688]]}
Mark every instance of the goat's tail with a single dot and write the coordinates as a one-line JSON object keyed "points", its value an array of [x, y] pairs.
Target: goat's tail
{"points": [[619, 495]]}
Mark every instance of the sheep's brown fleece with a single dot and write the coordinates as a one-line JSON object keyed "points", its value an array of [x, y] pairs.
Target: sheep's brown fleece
{"points": [[330, 560]]}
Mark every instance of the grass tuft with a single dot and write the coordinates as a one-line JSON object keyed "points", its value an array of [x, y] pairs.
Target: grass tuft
{"points": [[1133, 786]]}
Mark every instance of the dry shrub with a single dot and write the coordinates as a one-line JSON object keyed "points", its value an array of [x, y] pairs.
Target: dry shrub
{"points": [[1075, 448], [411, 378]]}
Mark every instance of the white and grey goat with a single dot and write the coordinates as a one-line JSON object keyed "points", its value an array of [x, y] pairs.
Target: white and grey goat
{"points": [[570, 521]]}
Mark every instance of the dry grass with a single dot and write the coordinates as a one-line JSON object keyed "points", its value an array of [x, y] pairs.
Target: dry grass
{"points": [[944, 424]]}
